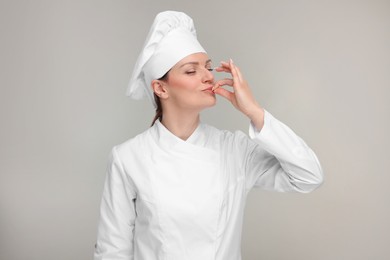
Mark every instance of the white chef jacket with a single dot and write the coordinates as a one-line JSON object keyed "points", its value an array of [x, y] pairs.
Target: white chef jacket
{"points": [[169, 199]]}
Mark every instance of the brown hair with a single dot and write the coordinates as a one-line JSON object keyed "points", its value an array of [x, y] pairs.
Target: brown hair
{"points": [[159, 111]]}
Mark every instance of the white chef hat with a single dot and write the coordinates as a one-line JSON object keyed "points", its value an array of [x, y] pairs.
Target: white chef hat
{"points": [[171, 38]]}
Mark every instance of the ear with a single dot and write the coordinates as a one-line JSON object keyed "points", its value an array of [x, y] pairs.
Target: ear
{"points": [[159, 87]]}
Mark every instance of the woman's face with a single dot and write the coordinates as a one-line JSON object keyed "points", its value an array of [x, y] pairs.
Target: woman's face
{"points": [[189, 83]]}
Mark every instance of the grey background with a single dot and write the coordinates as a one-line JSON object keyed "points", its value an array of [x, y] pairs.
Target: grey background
{"points": [[321, 67]]}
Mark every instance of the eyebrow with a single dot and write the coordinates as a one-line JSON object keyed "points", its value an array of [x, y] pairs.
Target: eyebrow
{"points": [[194, 62]]}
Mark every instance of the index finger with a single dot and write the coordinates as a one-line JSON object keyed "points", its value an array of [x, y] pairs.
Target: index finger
{"points": [[234, 71]]}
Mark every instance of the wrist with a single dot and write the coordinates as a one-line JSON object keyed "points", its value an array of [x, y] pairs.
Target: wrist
{"points": [[257, 117]]}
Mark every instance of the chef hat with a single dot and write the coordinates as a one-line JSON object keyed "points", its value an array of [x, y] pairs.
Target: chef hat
{"points": [[171, 38]]}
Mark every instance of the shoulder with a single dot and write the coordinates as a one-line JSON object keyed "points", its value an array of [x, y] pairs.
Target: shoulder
{"points": [[132, 145]]}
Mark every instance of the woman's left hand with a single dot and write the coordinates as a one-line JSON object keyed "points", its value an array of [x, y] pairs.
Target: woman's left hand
{"points": [[242, 97]]}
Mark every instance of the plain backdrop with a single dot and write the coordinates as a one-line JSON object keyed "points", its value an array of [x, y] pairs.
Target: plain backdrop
{"points": [[321, 67]]}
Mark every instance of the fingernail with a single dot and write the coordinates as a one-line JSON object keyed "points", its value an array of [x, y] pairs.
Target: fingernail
{"points": [[231, 60]]}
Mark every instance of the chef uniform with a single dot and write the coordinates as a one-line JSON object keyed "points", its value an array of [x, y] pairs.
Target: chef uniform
{"points": [[166, 198]]}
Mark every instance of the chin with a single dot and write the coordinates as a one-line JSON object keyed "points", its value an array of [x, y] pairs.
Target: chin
{"points": [[211, 103]]}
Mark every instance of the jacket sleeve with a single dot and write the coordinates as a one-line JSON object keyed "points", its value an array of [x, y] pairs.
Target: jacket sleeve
{"points": [[117, 214], [279, 160]]}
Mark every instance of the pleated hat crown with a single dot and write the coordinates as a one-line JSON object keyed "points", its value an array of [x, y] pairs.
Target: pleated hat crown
{"points": [[171, 38]]}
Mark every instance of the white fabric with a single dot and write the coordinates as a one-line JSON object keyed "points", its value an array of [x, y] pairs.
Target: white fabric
{"points": [[166, 198], [171, 38]]}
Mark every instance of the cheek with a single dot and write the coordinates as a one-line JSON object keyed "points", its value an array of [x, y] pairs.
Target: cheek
{"points": [[186, 91], [184, 87], [184, 84], [185, 96]]}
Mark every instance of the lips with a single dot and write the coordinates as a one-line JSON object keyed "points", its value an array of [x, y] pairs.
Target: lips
{"points": [[209, 88]]}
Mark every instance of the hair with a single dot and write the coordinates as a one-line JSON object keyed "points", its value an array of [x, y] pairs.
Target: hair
{"points": [[159, 111]]}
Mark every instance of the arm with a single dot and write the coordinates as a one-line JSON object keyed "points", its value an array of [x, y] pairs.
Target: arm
{"points": [[275, 157], [280, 160], [117, 214]]}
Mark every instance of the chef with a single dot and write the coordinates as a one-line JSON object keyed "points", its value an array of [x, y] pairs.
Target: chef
{"points": [[177, 191]]}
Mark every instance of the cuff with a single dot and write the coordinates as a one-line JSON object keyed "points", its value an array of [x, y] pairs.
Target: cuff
{"points": [[254, 133]]}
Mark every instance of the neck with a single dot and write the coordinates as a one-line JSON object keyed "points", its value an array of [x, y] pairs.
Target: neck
{"points": [[181, 123]]}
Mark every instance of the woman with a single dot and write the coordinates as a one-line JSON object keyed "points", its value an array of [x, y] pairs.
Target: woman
{"points": [[178, 190]]}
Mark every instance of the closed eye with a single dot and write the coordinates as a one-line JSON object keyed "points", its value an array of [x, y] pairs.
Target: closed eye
{"points": [[194, 71]]}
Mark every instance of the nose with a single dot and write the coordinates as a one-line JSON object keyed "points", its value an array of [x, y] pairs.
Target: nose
{"points": [[208, 77]]}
